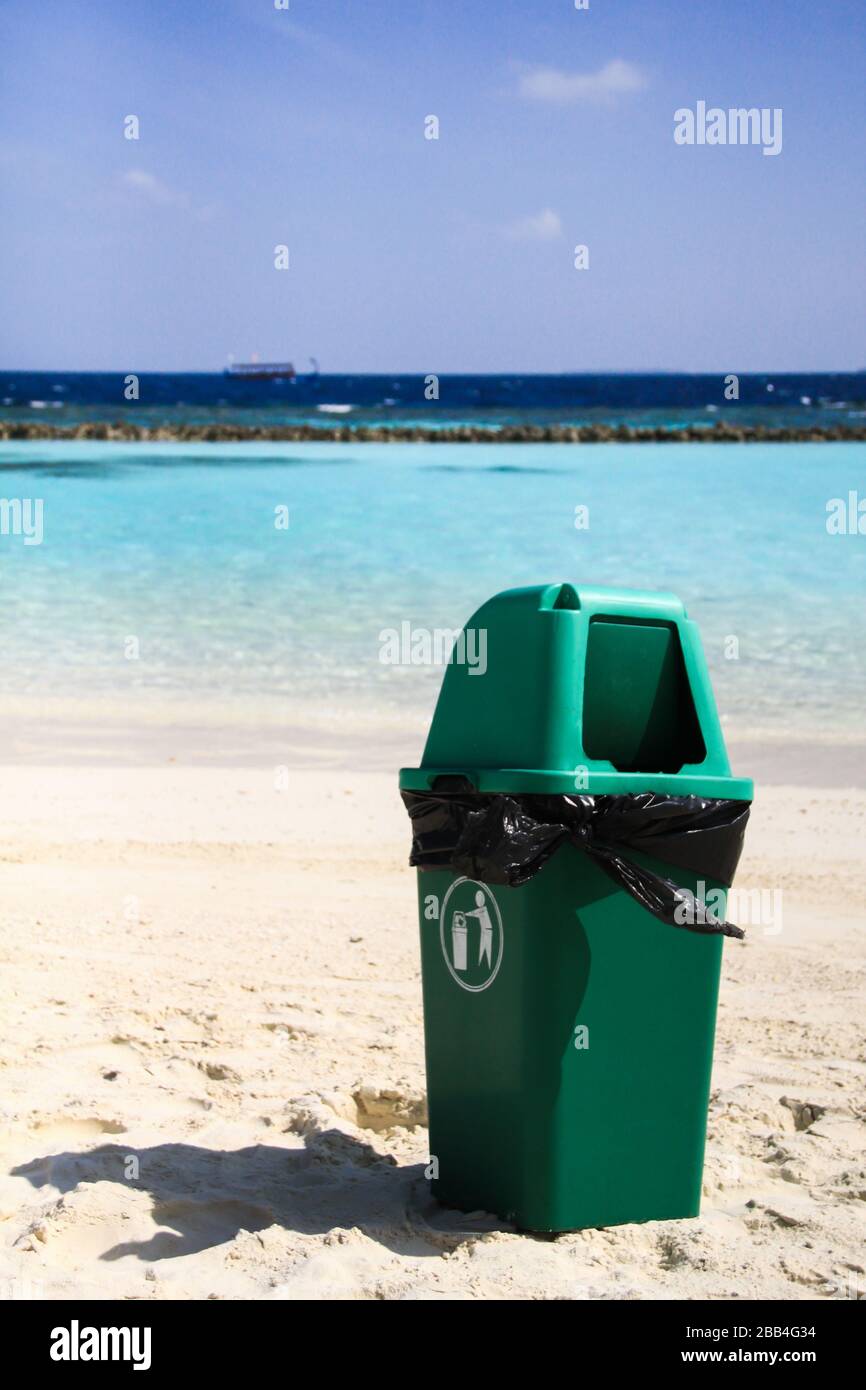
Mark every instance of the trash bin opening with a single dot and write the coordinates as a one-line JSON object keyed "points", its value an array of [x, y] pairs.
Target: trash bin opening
{"points": [[638, 710]]}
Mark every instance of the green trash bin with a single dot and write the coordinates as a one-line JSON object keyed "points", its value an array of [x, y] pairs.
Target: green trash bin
{"points": [[568, 1032]]}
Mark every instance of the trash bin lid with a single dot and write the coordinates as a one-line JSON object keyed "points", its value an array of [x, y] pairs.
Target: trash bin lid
{"points": [[574, 689]]}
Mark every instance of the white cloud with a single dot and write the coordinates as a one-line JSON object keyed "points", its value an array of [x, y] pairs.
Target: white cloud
{"points": [[544, 226], [563, 88], [148, 186]]}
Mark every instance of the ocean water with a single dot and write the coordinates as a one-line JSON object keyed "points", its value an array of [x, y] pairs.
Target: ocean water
{"points": [[668, 399], [177, 547]]}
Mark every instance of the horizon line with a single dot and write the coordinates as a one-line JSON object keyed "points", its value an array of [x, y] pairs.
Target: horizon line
{"points": [[585, 371]]}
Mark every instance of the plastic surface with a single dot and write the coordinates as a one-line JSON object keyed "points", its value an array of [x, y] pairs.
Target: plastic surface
{"points": [[610, 682], [569, 800], [572, 1090], [507, 840]]}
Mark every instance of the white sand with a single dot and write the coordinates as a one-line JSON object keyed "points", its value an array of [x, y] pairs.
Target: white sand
{"points": [[195, 984]]}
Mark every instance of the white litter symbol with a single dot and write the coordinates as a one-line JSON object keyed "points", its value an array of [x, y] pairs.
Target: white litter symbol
{"points": [[472, 955], [485, 944]]}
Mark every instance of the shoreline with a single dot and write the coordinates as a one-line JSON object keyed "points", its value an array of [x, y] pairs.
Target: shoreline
{"points": [[265, 733], [66, 736], [719, 433]]}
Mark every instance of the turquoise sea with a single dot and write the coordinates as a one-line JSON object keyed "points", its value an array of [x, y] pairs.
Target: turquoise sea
{"points": [[176, 546]]}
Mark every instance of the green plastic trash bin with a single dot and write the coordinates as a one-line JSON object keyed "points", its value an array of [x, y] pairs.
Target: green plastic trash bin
{"points": [[568, 1033]]}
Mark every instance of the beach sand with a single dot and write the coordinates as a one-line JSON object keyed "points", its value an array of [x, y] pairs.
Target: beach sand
{"points": [[212, 1056]]}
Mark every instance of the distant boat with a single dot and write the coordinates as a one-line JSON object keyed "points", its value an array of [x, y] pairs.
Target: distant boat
{"points": [[262, 371]]}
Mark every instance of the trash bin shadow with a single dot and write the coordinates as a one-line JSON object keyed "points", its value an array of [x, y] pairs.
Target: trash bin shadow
{"points": [[203, 1198], [565, 983]]}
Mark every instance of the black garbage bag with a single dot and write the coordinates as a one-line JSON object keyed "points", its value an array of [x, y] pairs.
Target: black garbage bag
{"points": [[506, 839]]}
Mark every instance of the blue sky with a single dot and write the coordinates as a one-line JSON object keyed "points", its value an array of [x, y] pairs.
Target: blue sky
{"points": [[305, 127]]}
